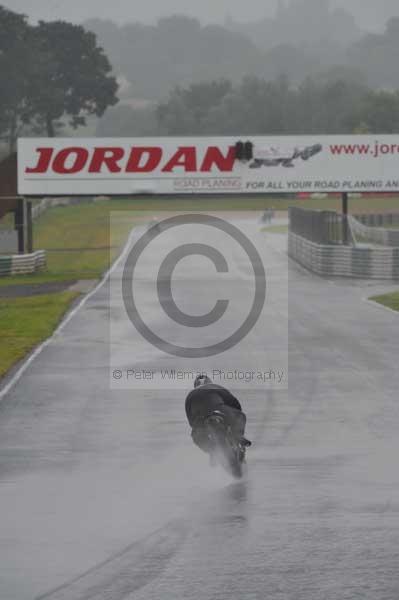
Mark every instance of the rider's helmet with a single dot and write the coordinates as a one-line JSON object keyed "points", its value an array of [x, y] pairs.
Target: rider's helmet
{"points": [[202, 380]]}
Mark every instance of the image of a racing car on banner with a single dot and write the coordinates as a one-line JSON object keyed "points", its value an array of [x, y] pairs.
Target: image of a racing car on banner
{"points": [[273, 156]]}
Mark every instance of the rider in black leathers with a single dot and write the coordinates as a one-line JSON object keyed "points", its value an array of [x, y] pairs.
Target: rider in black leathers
{"points": [[203, 400]]}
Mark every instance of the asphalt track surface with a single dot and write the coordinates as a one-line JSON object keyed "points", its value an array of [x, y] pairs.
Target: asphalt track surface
{"points": [[103, 497]]}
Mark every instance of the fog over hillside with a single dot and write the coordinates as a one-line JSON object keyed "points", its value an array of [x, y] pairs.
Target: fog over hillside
{"points": [[185, 67], [369, 14]]}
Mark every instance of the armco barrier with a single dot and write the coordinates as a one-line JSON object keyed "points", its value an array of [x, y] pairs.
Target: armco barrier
{"points": [[344, 261], [385, 220], [319, 226], [22, 263], [377, 228]]}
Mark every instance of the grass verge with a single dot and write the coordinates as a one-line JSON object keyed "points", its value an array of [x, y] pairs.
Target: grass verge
{"points": [[275, 229], [388, 300], [368, 204], [77, 242], [25, 322]]}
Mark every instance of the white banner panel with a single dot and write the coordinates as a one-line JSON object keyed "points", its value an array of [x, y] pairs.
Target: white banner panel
{"points": [[74, 166]]}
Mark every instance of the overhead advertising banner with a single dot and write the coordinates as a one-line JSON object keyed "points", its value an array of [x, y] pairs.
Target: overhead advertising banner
{"points": [[202, 165]]}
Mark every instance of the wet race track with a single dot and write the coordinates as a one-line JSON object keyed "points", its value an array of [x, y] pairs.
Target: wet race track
{"points": [[103, 496]]}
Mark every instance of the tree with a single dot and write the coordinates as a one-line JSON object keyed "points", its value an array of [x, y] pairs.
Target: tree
{"points": [[187, 109], [255, 107], [72, 75], [321, 105], [16, 58], [377, 56], [379, 112], [48, 72]]}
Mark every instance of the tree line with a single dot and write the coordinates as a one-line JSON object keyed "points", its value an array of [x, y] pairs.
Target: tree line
{"points": [[50, 72], [181, 78], [336, 102], [305, 38], [179, 50]]}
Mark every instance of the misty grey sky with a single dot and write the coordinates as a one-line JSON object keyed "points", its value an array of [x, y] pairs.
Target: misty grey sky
{"points": [[370, 14]]}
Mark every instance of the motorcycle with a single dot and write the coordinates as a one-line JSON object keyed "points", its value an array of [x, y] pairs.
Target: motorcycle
{"points": [[225, 449]]}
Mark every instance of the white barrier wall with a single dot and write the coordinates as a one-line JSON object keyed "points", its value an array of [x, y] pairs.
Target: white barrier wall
{"points": [[20, 264], [345, 261]]}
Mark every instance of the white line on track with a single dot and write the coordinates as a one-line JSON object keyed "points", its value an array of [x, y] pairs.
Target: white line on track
{"points": [[18, 374]]}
